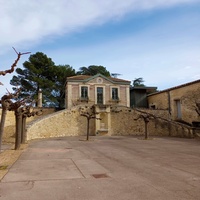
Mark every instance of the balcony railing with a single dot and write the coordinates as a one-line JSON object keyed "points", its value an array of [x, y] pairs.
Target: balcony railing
{"points": [[84, 99], [116, 100]]}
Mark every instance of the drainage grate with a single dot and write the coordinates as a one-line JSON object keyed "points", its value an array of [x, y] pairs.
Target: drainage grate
{"points": [[100, 175]]}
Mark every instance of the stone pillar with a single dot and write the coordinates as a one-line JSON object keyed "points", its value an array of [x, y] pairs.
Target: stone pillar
{"points": [[68, 100], [40, 98], [127, 96]]}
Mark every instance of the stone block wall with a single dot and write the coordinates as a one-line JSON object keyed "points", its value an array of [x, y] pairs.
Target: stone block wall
{"points": [[157, 112], [59, 124], [159, 101], [10, 116], [9, 128], [123, 122]]}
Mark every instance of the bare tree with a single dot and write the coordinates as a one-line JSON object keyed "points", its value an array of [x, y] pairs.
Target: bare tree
{"points": [[27, 111], [9, 71], [192, 100], [89, 113], [146, 117], [16, 107], [22, 111], [5, 102], [6, 99]]}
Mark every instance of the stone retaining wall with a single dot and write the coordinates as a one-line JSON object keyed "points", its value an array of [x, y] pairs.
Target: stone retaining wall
{"points": [[9, 128], [62, 123], [10, 116], [123, 122]]}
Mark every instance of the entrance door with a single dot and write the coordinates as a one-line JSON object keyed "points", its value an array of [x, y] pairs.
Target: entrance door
{"points": [[178, 106], [99, 95]]}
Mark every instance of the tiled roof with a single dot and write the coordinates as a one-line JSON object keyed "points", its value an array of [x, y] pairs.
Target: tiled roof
{"points": [[78, 77], [117, 79], [85, 77], [176, 87]]}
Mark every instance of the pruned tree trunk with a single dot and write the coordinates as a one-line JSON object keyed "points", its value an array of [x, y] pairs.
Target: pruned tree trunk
{"points": [[26, 111], [18, 119], [5, 102], [88, 128], [89, 113], [146, 118], [3, 119], [23, 131]]}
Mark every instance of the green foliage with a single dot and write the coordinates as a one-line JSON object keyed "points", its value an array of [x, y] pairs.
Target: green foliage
{"points": [[40, 72], [138, 82], [60, 74], [93, 70]]}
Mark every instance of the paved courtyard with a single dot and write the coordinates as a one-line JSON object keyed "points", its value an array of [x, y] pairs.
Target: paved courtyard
{"points": [[105, 168]]}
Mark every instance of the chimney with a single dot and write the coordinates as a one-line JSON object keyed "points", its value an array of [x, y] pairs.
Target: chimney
{"points": [[40, 98]]}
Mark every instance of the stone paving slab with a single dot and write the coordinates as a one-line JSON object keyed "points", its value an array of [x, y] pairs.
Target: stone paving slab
{"points": [[112, 168], [50, 153], [32, 170]]}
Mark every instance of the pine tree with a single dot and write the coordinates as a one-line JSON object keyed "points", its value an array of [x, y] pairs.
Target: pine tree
{"points": [[41, 73]]}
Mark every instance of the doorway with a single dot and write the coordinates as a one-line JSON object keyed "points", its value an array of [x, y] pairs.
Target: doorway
{"points": [[178, 109]]}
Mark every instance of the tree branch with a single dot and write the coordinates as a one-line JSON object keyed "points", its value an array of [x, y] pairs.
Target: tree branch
{"points": [[3, 73]]}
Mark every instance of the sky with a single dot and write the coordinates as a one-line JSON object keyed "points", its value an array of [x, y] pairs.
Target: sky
{"points": [[158, 40]]}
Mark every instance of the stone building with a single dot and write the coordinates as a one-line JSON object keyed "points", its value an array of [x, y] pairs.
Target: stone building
{"points": [[97, 89], [100, 91], [117, 118], [182, 102]]}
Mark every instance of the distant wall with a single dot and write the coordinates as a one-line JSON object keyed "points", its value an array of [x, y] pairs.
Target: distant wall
{"points": [[179, 101]]}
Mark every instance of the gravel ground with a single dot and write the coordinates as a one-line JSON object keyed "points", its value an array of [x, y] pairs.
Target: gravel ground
{"points": [[8, 155]]}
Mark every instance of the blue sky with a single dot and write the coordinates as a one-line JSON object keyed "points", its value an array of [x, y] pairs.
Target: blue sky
{"points": [[157, 40]]}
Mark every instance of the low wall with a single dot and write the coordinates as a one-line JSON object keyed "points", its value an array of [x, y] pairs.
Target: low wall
{"points": [[127, 122], [157, 112], [10, 116], [62, 123], [124, 121], [9, 128]]}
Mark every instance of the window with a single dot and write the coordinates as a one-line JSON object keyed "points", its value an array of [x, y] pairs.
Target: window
{"points": [[99, 95], [115, 94], [84, 92]]}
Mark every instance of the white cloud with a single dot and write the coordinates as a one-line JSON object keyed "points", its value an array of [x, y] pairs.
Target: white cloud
{"points": [[163, 64], [25, 21]]}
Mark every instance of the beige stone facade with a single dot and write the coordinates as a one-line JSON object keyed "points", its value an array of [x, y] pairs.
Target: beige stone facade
{"points": [[101, 92], [96, 89], [181, 102]]}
